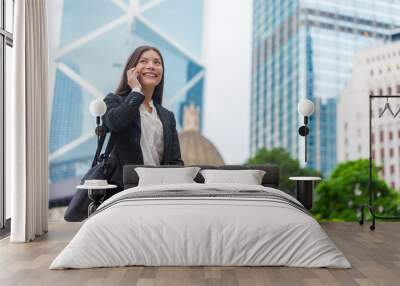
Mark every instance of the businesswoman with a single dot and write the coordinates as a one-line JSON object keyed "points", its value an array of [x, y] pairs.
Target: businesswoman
{"points": [[143, 131]]}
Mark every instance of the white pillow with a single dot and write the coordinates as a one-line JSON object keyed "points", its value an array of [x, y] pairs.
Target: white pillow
{"points": [[162, 176], [249, 177]]}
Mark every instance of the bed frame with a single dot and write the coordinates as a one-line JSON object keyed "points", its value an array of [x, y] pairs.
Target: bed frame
{"points": [[270, 179]]}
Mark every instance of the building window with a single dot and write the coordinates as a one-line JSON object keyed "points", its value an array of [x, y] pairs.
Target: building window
{"points": [[389, 90], [380, 91], [373, 154], [373, 137], [382, 153], [371, 92], [398, 89], [390, 135], [391, 169], [391, 152], [381, 136], [372, 72]]}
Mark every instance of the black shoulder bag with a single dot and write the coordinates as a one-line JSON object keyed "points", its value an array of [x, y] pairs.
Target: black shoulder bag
{"points": [[102, 169]]}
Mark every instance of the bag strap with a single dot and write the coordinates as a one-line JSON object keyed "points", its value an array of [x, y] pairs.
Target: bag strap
{"points": [[110, 145]]}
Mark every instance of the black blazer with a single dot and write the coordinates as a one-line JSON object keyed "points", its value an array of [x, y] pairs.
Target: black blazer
{"points": [[123, 120]]}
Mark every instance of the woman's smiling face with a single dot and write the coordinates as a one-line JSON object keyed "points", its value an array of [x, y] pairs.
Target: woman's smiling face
{"points": [[150, 69]]}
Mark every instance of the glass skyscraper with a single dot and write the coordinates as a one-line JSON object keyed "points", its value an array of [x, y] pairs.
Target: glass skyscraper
{"points": [[304, 49], [93, 41]]}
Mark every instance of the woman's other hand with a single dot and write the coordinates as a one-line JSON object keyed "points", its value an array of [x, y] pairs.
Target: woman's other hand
{"points": [[133, 81]]}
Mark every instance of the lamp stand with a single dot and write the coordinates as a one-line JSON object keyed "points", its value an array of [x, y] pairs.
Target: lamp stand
{"points": [[303, 131], [99, 131]]}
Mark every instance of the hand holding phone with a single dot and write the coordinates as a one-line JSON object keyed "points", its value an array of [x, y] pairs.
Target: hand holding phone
{"points": [[133, 78]]}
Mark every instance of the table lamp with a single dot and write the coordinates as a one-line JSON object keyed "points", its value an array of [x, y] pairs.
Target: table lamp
{"points": [[97, 108], [305, 108]]}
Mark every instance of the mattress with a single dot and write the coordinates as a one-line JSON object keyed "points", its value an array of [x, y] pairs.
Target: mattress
{"points": [[201, 225]]}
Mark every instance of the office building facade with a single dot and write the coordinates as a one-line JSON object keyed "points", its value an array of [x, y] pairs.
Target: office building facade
{"points": [[90, 42], [376, 72], [304, 49]]}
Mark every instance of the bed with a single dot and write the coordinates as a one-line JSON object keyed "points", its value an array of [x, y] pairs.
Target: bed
{"points": [[201, 224]]}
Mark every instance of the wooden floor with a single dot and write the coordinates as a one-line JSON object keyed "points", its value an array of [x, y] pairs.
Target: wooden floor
{"points": [[375, 257]]}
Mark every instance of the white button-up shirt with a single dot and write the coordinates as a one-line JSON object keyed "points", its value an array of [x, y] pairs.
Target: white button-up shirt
{"points": [[151, 139]]}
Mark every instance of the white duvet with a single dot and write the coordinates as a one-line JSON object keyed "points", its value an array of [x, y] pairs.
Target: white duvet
{"points": [[200, 231]]}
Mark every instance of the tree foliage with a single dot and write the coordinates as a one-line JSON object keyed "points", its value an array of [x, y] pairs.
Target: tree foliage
{"points": [[288, 167], [339, 197]]}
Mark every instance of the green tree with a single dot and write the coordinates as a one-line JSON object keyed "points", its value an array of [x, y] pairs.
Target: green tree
{"points": [[339, 197], [288, 167]]}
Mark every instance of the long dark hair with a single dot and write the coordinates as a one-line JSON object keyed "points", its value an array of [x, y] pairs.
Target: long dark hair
{"points": [[133, 59]]}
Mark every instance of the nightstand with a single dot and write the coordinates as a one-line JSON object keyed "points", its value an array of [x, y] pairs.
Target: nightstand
{"points": [[96, 195], [305, 189]]}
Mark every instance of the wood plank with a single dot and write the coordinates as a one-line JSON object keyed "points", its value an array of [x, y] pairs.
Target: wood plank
{"points": [[375, 257]]}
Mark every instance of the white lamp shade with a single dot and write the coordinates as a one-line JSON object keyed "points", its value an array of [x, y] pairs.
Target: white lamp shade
{"points": [[97, 107], [305, 107]]}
